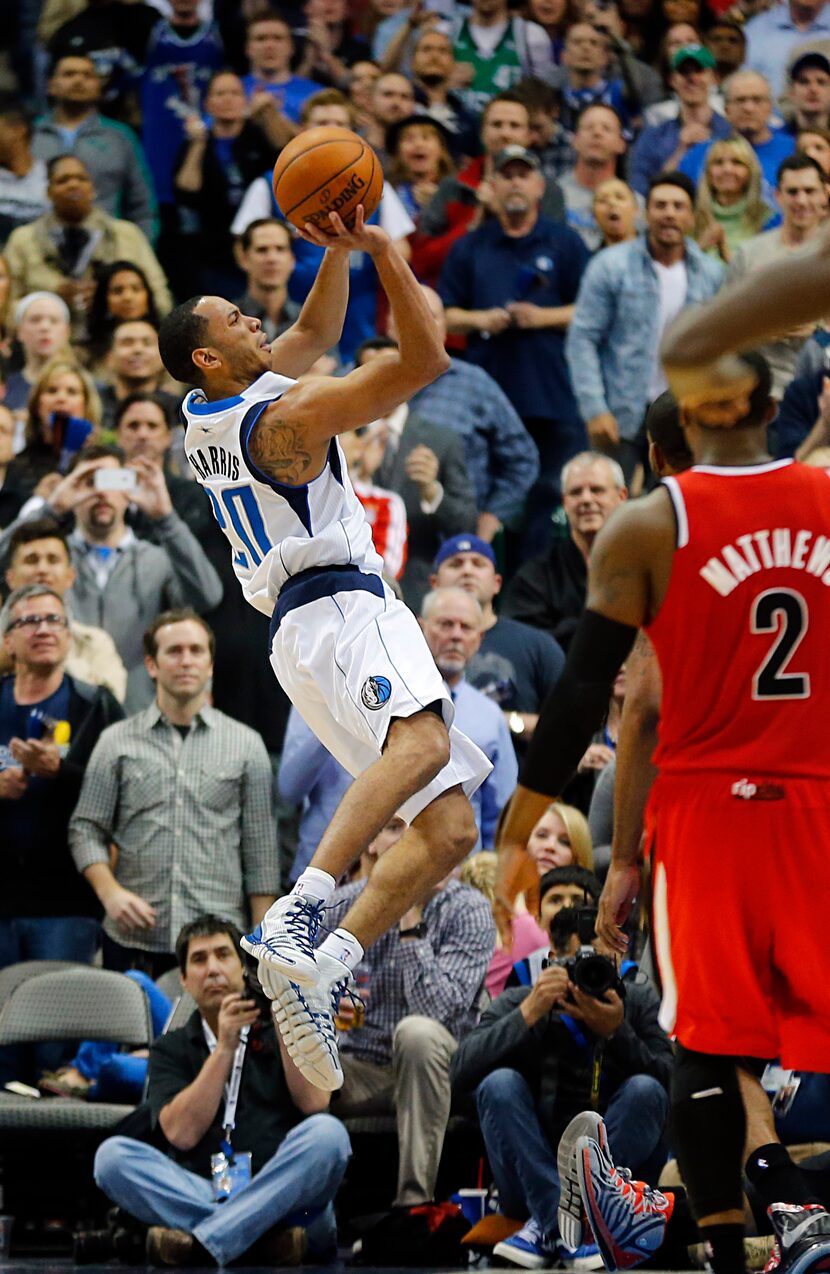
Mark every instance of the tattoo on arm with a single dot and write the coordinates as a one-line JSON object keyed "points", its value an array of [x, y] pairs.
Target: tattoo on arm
{"points": [[280, 449], [643, 649]]}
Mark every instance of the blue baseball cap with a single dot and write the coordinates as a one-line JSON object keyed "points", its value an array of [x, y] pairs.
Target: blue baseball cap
{"points": [[464, 544]]}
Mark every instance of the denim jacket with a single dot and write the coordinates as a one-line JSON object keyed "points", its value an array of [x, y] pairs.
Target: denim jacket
{"points": [[614, 332]]}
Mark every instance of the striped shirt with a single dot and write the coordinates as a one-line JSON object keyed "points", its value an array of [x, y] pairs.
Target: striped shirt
{"points": [[191, 818], [440, 976]]}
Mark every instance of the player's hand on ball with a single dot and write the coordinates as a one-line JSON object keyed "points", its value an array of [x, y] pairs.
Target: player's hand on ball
{"points": [[360, 238], [622, 885]]}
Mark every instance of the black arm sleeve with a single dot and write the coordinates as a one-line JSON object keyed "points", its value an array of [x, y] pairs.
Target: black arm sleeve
{"points": [[575, 708]]}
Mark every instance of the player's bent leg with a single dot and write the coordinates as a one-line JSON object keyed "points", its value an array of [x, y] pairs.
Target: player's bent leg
{"points": [[417, 749], [437, 840]]}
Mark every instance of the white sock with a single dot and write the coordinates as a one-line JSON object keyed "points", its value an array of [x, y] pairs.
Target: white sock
{"points": [[345, 947], [316, 884]]}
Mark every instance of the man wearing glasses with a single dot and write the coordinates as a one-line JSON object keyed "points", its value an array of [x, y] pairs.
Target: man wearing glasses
{"points": [[49, 724]]}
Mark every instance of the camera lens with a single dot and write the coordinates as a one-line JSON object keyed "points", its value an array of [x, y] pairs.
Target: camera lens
{"points": [[595, 975]]}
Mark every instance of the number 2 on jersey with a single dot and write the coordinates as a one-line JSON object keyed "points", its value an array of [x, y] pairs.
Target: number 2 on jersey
{"points": [[784, 612], [247, 527]]}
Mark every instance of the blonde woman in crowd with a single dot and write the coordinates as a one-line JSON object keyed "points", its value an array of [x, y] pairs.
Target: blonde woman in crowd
{"points": [[729, 206], [560, 838], [63, 387]]}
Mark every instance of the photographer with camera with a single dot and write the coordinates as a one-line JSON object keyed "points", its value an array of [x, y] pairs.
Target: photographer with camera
{"points": [[251, 1156], [579, 1037]]}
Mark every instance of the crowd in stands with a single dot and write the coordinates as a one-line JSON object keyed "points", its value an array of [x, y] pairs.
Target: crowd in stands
{"points": [[564, 177]]}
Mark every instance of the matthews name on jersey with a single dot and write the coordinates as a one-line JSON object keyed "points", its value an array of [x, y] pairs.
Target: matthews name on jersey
{"points": [[275, 531], [740, 634]]}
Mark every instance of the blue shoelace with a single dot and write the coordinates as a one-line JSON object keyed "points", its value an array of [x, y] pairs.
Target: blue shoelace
{"points": [[302, 921]]}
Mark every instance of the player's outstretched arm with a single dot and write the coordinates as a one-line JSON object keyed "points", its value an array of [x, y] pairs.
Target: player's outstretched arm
{"points": [[290, 438], [764, 304], [319, 325]]}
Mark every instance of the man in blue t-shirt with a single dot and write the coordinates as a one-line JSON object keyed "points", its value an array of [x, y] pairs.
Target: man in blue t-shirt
{"points": [[269, 47], [748, 107], [510, 286]]}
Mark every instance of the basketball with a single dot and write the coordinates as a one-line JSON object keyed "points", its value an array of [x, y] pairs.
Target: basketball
{"points": [[327, 170]]}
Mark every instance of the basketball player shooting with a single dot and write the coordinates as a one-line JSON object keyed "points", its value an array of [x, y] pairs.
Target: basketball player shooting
{"points": [[348, 654], [727, 568]]}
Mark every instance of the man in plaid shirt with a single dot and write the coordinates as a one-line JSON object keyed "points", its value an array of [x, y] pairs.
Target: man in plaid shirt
{"points": [[185, 793]]}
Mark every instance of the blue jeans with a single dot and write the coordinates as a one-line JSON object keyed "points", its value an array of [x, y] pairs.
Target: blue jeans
{"points": [[302, 1177], [117, 1076], [43, 938], [523, 1160]]}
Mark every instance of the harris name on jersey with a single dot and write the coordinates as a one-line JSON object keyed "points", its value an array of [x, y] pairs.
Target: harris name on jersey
{"points": [[214, 462]]}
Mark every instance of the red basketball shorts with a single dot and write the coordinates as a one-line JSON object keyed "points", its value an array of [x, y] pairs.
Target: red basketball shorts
{"points": [[741, 914]]}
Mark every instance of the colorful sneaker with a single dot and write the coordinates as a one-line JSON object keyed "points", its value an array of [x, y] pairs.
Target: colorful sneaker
{"points": [[285, 938], [529, 1248], [628, 1217], [305, 1019], [802, 1233], [571, 1218]]}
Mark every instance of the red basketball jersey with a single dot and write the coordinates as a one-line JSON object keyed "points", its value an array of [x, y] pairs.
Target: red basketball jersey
{"points": [[742, 635]]}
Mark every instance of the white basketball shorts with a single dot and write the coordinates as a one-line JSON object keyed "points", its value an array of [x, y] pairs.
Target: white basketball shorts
{"points": [[351, 661]]}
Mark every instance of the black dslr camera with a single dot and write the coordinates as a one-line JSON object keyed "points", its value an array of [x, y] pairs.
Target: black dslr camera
{"points": [[593, 973], [253, 990]]}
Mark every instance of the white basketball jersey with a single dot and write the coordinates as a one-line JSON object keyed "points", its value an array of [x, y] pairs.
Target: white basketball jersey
{"points": [[274, 530]]}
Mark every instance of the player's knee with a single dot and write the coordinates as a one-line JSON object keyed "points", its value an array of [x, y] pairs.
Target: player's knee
{"points": [[437, 744], [422, 745], [461, 833]]}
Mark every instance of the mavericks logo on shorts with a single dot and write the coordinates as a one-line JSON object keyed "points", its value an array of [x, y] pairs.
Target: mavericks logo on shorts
{"points": [[376, 692]]}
